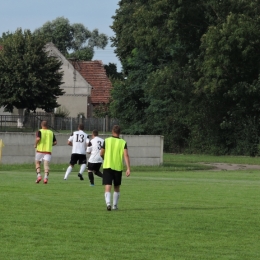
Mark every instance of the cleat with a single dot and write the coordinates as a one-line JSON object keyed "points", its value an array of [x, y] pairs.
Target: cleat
{"points": [[108, 207], [115, 207], [80, 177], [91, 185], [38, 179], [45, 181]]}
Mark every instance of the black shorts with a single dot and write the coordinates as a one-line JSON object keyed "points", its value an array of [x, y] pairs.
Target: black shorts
{"points": [[111, 176], [80, 158], [94, 166]]}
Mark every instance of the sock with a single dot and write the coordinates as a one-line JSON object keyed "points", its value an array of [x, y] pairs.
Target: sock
{"points": [[99, 174], [46, 175], [115, 198], [107, 198], [69, 169], [91, 177], [38, 171], [82, 168]]}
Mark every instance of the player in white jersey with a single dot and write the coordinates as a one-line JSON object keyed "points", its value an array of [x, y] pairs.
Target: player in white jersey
{"points": [[95, 160], [79, 141]]}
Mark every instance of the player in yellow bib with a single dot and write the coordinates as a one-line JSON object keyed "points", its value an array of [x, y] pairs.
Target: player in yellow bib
{"points": [[44, 141], [113, 151]]}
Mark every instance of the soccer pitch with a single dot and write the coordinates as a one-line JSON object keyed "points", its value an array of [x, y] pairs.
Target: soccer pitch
{"points": [[171, 212]]}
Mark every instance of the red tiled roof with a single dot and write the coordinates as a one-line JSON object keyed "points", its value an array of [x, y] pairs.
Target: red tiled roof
{"points": [[95, 75]]}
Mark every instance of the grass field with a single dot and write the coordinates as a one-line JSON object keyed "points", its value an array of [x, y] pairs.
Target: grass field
{"points": [[180, 210]]}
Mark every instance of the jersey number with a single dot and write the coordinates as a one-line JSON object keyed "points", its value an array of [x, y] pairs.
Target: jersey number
{"points": [[80, 138], [99, 145]]}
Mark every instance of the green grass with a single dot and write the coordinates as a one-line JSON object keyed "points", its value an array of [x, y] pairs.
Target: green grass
{"points": [[175, 211]]}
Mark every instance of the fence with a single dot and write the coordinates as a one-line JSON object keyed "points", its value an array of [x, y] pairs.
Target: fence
{"points": [[32, 122]]}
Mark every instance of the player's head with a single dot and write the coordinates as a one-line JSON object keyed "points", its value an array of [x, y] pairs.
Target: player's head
{"points": [[44, 124], [95, 132], [116, 129], [81, 127]]}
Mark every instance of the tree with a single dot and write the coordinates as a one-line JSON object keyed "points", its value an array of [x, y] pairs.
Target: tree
{"points": [[29, 78], [111, 71], [73, 40], [192, 73]]}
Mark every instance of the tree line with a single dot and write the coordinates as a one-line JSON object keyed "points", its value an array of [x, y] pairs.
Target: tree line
{"points": [[29, 77], [191, 73]]}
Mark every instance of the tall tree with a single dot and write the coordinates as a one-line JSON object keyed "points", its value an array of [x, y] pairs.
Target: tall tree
{"points": [[192, 72], [29, 77], [73, 40]]}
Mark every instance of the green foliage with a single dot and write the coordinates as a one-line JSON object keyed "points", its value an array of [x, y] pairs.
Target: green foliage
{"points": [[73, 40], [111, 71], [192, 73], [101, 110], [29, 78], [62, 111]]}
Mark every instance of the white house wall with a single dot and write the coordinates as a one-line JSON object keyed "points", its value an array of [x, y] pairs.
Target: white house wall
{"points": [[76, 88]]}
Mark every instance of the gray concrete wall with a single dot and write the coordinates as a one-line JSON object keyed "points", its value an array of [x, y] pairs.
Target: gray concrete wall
{"points": [[19, 148]]}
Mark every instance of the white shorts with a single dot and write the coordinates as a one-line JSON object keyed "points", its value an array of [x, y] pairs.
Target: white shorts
{"points": [[43, 156]]}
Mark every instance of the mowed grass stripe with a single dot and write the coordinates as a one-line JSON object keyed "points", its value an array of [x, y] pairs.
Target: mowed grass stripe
{"points": [[205, 215]]}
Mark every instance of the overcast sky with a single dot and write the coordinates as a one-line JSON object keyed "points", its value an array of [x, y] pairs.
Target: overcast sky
{"points": [[32, 14]]}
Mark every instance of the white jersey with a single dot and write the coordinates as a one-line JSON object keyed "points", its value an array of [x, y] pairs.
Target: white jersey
{"points": [[94, 149], [79, 140]]}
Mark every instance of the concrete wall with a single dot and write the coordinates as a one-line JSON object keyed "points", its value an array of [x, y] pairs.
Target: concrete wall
{"points": [[19, 148]]}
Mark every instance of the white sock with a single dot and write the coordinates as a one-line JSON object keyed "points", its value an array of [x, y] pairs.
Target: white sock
{"points": [[69, 169], [82, 168], [38, 175], [45, 176], [107, 198], [115, 198]]}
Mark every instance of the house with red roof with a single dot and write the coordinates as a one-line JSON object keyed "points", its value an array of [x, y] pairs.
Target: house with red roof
{"points": [[86, 84], [94, 73]]}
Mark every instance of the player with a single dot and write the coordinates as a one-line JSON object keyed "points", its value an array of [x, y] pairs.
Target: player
{"points": [[44, 141], [95, 160], [113, 151], [79, 141]]}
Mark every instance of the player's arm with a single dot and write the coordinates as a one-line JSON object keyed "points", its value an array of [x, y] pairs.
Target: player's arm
{"points": [[89, 148], [102, 151], [37, 139], [70, 140], [127, 161], [54, 141]]}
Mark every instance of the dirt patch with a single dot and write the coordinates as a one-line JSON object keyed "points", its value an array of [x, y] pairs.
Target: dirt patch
{"points": [[230, 167]]}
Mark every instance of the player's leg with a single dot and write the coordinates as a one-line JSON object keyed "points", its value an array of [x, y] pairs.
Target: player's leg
{"points": [[107, 181], [90, 173], [46, 161], [70, 167], [82, 158], [97, 170], [38, 158], [116, 194], [92, 169]]}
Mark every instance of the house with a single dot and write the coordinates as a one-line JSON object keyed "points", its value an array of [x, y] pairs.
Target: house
{"points": [[76, 88], [85, 84], [95, 74]]}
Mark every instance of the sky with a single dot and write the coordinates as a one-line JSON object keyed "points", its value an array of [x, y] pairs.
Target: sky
{"points": [[32, 14]]}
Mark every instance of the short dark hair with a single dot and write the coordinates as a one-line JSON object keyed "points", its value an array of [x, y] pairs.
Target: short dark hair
{"points": [[95, 132], [44, 123], [116, 129], [81, 127]]}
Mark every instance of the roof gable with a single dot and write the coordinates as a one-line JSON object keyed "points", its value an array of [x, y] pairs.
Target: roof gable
{"points": [[95, 75]]}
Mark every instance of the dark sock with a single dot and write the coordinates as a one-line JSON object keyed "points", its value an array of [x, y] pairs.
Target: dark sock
{"points": [[91, 177], [99, 174]]}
